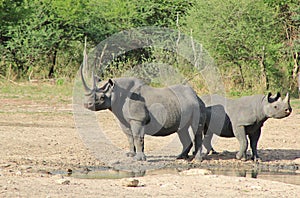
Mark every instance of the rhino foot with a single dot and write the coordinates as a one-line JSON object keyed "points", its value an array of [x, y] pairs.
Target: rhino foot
{"points": [[140, 156], [256, 159], [198, 158], [213, 152], [241, 157], [130, 154], [182, 156]]}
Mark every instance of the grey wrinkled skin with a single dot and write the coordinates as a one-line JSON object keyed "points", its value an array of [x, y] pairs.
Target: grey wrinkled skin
{"points": [[142, 109], [241, 118]]}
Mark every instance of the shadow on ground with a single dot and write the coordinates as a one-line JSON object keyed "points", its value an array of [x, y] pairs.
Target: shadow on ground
{"points": [[267, 155]]}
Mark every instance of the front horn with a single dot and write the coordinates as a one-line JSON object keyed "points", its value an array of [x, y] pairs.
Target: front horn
{"points": [[84, 64], [94, 81], [86, 88]]}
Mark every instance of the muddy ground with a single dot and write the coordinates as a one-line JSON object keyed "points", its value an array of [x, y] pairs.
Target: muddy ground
{"points": [[40, 144]]}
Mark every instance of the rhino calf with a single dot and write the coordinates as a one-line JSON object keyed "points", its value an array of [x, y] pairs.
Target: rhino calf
{"points": [[241, 118]]}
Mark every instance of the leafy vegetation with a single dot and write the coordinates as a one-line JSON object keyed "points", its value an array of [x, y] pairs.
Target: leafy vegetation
{"points": [[248, 40], [256, 43]]}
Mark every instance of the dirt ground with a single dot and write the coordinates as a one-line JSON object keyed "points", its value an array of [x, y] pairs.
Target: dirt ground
{"points": [[38, 139]]}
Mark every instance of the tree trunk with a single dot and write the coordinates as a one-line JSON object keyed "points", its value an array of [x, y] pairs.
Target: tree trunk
{"points": [[296, 66], [51, 71], [264, 76], [299, 85], [241, 73]]}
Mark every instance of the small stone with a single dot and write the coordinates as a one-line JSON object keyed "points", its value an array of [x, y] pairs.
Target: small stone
{"points": [[256, 187], [5, 165], [18, 173], [25, 167], [63, 181], [196, 171], [130, 182], [297, 161]]}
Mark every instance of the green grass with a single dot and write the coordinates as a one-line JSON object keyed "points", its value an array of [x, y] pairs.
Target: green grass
{"points": [[295, 103], [37, 91]]}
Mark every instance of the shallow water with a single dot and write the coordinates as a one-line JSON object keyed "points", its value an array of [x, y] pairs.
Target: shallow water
{"points": [[290, 177], [285, 177]]}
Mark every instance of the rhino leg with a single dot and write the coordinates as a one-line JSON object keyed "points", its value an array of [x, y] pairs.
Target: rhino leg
{"points": [[186, 142], [138, 139], [240, 134], [132, 150], [213, 151], [207, 142], [129, 135], [253, 143], [198, 146]]}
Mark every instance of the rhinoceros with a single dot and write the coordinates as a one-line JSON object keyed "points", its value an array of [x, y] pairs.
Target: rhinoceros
{"points": [[142, 109], [242, 117]]}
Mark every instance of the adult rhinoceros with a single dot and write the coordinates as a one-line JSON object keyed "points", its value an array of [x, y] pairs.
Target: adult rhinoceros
{"points": [[242, 117], [142, 109]]}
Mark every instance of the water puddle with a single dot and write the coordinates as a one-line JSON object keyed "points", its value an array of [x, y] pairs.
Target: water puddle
{"points": [[285, 176], [290, 177]]}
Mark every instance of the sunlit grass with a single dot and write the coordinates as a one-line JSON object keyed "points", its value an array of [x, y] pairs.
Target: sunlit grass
{"points": [[295, 103], [50, 92]]}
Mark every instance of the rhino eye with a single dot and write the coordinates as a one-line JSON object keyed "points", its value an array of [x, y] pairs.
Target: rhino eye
{"points": [[101, 98], [275, 107]]}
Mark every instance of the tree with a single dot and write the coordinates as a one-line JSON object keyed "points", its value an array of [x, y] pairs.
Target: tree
{"points": [[34, 41], [245, 39], [44, 38]]}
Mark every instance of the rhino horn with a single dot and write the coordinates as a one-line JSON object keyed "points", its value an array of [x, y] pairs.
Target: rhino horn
{"points": [[287, 98], [86, 88], [84, 64], [94, 81]]}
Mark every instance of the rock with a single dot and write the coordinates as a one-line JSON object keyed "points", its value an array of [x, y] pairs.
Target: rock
{"points": [[5, 165], [63, 181], [297, 161], [18, 173], [129, 182], [256, 187], [25, 167], [196, 171]]}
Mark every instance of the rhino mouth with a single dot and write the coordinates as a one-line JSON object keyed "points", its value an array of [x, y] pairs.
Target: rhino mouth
{"points": [[91, 107], [286, 113]]}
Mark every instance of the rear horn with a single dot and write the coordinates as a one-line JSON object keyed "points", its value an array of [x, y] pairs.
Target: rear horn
{"points": [[287, 98]]}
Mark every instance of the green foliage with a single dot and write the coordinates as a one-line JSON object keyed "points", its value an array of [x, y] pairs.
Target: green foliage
{"points": [[161, 13], [256, 43], [248, 41], [43, 38], [239, 34], [34, 44]]}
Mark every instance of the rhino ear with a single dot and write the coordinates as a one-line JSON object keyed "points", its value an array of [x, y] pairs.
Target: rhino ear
{"points": [[273, 98], [111, 82], [278, 95], [107, 87], [270, 99]]}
